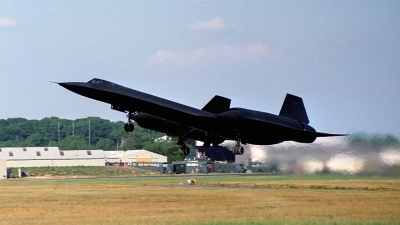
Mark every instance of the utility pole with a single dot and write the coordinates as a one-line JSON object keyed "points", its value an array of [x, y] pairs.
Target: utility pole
{"points": [[73, 128], [58, 132], [89, 131]]}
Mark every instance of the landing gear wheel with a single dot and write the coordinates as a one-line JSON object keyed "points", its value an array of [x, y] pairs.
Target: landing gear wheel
{"points": [[237, 150], [184, 150], [129, 127]]}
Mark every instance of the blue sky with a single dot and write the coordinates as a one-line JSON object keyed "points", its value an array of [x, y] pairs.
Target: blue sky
{"points": [[341, 57]]}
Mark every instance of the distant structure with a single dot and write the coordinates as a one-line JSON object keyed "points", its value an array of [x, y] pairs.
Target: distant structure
{"points": [[52, 156], [163, 138], [3, 169], [219, 153], [134, 156]]}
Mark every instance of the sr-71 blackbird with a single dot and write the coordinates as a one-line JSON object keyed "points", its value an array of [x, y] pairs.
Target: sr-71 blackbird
{"points": [[213, 124]]}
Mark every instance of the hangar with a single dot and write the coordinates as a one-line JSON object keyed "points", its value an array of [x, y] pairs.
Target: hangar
{"points": [[52, 156], [3, 169], [134, 156]]}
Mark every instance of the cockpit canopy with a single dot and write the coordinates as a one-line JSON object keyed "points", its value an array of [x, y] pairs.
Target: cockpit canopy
{"points": [[101, 82]]}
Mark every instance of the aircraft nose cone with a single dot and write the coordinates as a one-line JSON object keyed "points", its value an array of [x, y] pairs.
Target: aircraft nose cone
{"points": [[63, 84], [76, 87], [69, 84]]}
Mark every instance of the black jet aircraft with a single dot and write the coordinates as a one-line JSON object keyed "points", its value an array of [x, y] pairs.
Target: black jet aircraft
{"points": [[213, 124]]}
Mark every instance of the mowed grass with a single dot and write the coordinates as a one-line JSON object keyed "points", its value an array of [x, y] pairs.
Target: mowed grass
{"points": [[213, 200], [81, 171]]}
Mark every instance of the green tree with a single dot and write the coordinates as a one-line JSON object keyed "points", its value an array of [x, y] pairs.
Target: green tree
{"points": [[7, 144], [374, 141], [35, 140], [137, 139], [169, 149], [106, 144], [53, 144], [19, 132], [75, 143], [118, 134]]}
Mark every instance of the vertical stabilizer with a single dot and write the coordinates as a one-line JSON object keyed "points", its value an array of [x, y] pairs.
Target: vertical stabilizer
{"points": [[218, 104], [293, 107]]}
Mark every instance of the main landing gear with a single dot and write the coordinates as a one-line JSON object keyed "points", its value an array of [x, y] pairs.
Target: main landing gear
{"points": [[238, 149], [128, 127], [184, 149]]}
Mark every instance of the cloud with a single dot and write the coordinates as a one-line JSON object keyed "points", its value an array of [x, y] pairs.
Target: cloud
{"points": [[221, 53], [7, 23], [213, 25]]}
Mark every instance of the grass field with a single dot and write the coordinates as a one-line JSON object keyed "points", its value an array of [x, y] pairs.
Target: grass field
{"points": [[82, 171], [312, 199]]}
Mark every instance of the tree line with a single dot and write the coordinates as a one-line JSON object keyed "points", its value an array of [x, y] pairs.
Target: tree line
{"points": [[74, 134], [373, 142]]}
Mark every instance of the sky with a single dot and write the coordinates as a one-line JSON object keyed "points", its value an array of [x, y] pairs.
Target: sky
{"points": [[341, 57]]}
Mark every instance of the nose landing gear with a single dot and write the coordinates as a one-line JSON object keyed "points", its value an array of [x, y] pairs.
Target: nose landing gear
{"points": [[184, 149], [128, 127]]}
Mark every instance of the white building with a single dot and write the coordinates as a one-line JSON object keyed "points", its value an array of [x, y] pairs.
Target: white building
{"points": [[134, 156], [3, 169], [52, 156]]}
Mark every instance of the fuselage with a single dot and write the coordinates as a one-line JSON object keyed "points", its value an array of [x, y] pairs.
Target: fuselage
{"points": [[130, 100], [242, 125]]}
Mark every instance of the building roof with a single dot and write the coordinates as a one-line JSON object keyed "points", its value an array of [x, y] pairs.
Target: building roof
{"points": [[29, 152], [43, 153], [24, 153], [131, 154]]}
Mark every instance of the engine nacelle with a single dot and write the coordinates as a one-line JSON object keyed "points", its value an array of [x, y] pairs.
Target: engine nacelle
{"points": [[307, 137]]}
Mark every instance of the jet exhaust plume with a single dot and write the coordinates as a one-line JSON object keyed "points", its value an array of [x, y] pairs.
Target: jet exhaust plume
{"points": [[360, 153]]}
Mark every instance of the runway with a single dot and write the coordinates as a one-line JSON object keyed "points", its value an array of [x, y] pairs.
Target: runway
{"points": [[83, 178]]}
